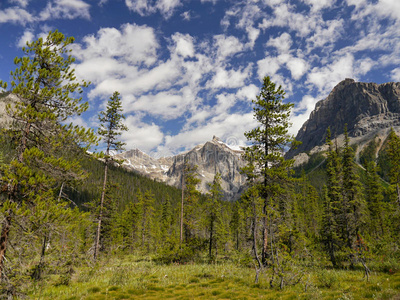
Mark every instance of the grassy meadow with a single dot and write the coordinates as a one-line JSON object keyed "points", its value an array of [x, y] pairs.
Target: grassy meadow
{"points": [[135, 277]]}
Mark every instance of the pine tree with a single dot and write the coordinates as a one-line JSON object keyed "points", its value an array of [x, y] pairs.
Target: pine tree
{"points": [[332, 202], [213, 213], [189, 202], [353, 204], [269, 141], [110, 128], [146, 211], [45, 85], [374, 199], [393, 153]]}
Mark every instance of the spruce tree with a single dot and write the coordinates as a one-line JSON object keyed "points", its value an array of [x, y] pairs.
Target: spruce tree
{"points": [[46, 144], [374, 199], [213, 213], [353, 204], [332, 202], [189, 202], [111, 126], [393, 153], [269, 141]]}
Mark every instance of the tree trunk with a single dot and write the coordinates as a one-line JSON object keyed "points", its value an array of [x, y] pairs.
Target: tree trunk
{"points": [[103, 192], [5, 231], [254, 240]]}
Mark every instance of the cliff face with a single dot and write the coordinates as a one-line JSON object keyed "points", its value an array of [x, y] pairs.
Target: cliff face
{"points": [[368, 109], [212, 157]]}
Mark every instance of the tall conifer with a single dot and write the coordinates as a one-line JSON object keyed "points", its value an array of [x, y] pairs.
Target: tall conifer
{"points": [[46, 88], [111, 126]]}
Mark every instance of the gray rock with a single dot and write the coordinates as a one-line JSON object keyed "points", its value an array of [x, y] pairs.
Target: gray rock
{"points": [[212, 157], [368, 109]]}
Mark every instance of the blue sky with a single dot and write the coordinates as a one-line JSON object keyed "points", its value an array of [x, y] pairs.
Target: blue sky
{"points": [[188, 69]]}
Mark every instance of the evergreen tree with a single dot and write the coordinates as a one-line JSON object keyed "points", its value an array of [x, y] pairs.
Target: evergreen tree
{"points": [[45, 85], [332, 202], [189, 202], [374, 199], [393, 153], [353, 204], [145, 209], [110, 128], [213, 213], [269, 141]]}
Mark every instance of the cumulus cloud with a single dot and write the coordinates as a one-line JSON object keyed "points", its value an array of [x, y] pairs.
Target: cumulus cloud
{"points": [[227, 46], [183, 45], [28, 36], [282, 43], [229, 78], [297, 67], [167, 105], [15, 15], [395, 74], [133, 44], [229, 128], [141, 135], [148, 7], [325, 78], [22, 3], [65, 9], [317, 5]]}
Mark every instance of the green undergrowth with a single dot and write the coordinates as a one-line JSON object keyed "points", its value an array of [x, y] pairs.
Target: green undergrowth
{"points": [[134, 278]]}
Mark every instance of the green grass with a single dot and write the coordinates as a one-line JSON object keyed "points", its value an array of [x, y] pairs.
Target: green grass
{"points": [[133, 278]]}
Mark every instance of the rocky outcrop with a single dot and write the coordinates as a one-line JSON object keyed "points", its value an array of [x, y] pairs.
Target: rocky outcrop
{"points": [[212, 157], [6, 99], [368, 109]]}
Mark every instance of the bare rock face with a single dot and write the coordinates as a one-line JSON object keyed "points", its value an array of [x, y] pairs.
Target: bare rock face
{"points": [[212, 157], [6, 99], [368, 109]]}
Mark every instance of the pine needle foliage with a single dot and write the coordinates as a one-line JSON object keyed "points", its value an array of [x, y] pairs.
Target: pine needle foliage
{"points": [[48, 148]]}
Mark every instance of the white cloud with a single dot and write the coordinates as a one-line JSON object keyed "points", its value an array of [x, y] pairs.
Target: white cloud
{"points": [[283, 43], [268, 66], [167, 7], [141, 135], [145, 7], [298, 67], [229, 78], [320, 4], [133, 44], [248, 92], [183, 45], [301, 112], [168, 105], [15, 15], [227, 46], [28, 36], [65, 9], [229, 128], [22, 3], [186, 16], [325, 78], [395, 74]]}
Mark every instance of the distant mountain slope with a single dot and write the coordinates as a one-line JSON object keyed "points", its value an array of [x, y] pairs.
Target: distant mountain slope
{"points": [[212, 157], [369, 109]]}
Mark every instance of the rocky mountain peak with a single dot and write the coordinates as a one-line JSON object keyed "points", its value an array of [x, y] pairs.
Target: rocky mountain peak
{"points": [[212, 157], [368, 109]]}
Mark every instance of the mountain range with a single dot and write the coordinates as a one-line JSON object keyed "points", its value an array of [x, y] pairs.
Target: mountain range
{"points": [[212, 157], [370, 110]]}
